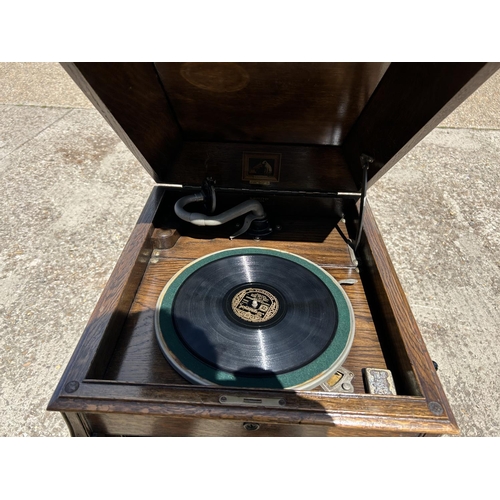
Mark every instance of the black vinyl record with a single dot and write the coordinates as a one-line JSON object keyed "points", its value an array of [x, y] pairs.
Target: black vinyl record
{"points": [[253, 315]]}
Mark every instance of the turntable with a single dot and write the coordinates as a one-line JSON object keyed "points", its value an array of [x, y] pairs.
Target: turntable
{"points": [[255, 317], [255, 296]]}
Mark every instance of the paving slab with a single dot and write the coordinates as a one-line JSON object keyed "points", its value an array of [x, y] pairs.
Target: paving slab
{"points": [[480, 110], [20, 124], [39, 84], [71, 198]]}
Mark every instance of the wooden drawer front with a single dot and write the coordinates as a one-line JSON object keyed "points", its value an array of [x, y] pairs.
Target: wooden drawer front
{"points": [[102, 424]]}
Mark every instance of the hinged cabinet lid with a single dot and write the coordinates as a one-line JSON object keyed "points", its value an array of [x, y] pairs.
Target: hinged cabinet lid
{"points": [[285, 126]]}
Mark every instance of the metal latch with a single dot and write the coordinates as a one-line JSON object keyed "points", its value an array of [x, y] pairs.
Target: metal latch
{"points": [[339, 382], [250, 401]]}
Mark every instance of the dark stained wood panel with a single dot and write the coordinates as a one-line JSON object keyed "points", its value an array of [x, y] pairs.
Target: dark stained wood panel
{"points": [[131, 99], [304, 168], [167, 113], [410, 101], [299, 103]]}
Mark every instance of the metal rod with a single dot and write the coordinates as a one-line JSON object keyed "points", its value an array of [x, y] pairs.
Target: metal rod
{"points": [[365, 162], [315, 194], [321, 194]]}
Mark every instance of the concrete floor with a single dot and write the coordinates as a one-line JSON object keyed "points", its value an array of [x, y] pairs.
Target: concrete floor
{"points": [[72, 193]]}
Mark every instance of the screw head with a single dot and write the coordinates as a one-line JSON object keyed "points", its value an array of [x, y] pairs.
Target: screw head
{"points": [[222, 399], [436, 408], [282, 402], [251, 426], [71, 386]]}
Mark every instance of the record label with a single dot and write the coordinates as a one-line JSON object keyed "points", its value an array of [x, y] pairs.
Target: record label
{"points": [[255, 305]]}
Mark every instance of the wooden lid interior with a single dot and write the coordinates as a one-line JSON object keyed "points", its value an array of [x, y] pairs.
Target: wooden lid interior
{"points": [[277, 103], [188, 121]]}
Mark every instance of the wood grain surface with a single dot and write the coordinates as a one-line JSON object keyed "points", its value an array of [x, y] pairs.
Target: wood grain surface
{"points": [[289, 103], [119, 383], [184, 121], [410, 101], [401, 337], [131, 99], [138, 358], [131, 407], [304, 167]]}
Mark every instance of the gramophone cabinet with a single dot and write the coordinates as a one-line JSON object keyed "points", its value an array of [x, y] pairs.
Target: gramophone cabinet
{"points": [[306, 140]]}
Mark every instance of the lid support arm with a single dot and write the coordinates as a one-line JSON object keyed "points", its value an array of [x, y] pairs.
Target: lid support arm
{"points": [[365, 163]]}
